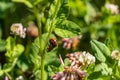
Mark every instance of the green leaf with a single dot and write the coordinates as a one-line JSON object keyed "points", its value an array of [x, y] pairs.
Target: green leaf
{"points": [[111, 34], [99, 55], [102, 47], [67, 29], [54, 7], [18, 50], [23, 64], [94, 76], [5, 5], [52, 70], [58, 11], [34, 52], [116, 69], [9, 43], [103, 68], [7, 67], [67, 62], [51, 57], [59, 8], [64, 9], [101, 50], [26, 2], [9, 46], [97, 68], [37, 1], [13, 51]]}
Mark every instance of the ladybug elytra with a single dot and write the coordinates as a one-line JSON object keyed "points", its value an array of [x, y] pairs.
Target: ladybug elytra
{"points": [[53, 43]]}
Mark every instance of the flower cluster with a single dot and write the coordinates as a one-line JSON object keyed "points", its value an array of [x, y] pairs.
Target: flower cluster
{"points": [[75, 72], [18, 29], [115, 55], [69, 73], [112, 8], [81, 59], [69, 43]]}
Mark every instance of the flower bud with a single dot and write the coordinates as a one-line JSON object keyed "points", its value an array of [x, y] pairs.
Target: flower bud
{"points": [[32, 31]]}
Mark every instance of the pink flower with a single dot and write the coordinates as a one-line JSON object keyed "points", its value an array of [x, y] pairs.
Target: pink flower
{"points": [[69, 73], [6, 78], [69, 43], [18, 29]]}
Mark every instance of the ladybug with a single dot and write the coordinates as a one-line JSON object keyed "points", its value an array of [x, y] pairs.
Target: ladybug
{"points": [[53, 43]]}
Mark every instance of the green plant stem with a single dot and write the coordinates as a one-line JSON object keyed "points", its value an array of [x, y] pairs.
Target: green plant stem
{"points": [[40, 31], [52, 24], [15, 61], [38, 17], [47, 39], [8, 75], [42, 50], [10, 69], [42, 67]]}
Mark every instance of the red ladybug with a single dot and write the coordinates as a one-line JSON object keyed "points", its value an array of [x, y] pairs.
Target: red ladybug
{"points": [[53, 43]]}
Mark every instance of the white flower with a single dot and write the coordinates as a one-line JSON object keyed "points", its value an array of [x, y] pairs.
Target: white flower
{"points": [[81, 59], [17, 29], [115, 55], [19, 78], [89, 58], [112, 8]]}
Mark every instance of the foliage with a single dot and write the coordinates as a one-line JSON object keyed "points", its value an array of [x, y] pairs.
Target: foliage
{"points": [[59, 28]]}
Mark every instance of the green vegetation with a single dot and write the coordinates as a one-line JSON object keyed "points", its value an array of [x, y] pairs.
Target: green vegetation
{"points": [[59, 40]]}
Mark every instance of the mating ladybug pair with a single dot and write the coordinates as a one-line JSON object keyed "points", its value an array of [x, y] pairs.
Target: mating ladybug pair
{"points": [[53, 43]]}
